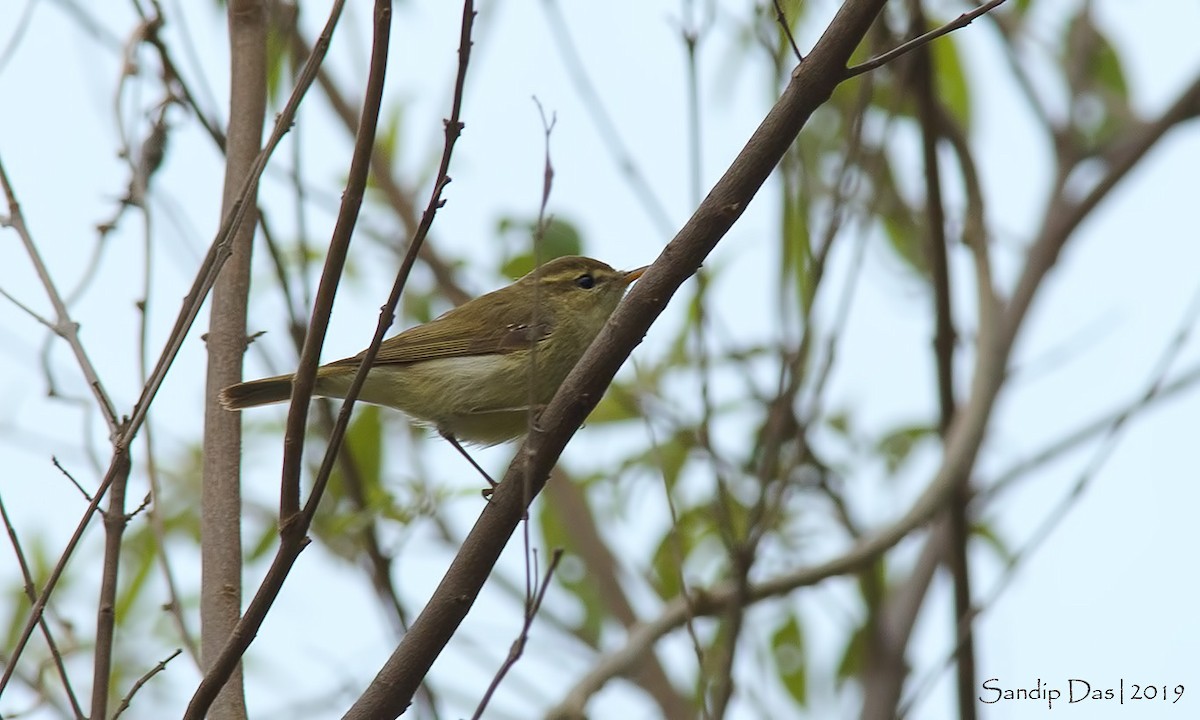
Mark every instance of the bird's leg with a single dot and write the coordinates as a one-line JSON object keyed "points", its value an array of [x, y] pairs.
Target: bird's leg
{"points": [[535, 416], [487, 491]]}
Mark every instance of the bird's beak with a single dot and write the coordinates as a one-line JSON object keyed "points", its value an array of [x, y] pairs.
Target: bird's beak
{"points": [[632, 275]]}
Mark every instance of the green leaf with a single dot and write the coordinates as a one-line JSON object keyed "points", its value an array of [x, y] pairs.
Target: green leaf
{"points": [[572, 573], [897, 445], [619, 404], [1100, 93], [277, 62], [950, 81], [904, 237], [388, 138], [693, 526], [839, 422], [558, 239], [853, 655], [797, 247], [993, 540], [1107, 69], [364, 439], [787, 649]]}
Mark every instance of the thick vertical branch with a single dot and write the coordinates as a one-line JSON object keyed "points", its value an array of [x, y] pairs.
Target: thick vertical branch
{"points": [[221, 548], [294, 524], [114, 530]]}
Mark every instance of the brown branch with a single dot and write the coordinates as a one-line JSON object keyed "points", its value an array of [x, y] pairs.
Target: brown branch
{"points": [[885, 671], [812, 83], [1063, 215], [221, 492], [899, 612], [114, 529]]}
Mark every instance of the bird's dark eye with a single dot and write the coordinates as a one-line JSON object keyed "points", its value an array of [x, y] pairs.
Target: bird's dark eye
{"points": [[586, 281]]}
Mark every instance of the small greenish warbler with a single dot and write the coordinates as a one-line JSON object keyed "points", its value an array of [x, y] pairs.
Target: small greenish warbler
{"points": [[475, 372]]}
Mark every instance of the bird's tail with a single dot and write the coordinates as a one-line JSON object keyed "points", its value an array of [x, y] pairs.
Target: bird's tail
{"points": [[257, 392]]}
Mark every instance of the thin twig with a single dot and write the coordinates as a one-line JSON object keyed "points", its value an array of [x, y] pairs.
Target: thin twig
{"points": [[158, 529], [784, 25], [539, 234], [64, 326], [23, 307], [959, 22], [71, 477], [30, 593], [532, 604], [162, 665], [676, 537]]}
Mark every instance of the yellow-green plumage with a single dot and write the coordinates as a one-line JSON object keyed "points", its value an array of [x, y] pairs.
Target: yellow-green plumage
{"points": [[469, 372]]}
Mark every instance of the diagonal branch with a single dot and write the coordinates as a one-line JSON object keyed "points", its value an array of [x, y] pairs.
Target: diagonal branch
{"points": [[812, 84]]}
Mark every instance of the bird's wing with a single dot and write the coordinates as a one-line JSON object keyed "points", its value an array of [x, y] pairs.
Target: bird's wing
{"points": [[440, 339]]}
